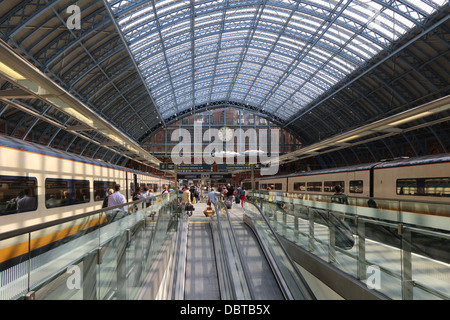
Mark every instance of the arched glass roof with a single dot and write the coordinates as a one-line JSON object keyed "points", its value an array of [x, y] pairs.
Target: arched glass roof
{"points": [[279, 56]]}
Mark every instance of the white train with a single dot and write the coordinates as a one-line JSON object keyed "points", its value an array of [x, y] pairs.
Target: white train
{"points": [[40, 184], [418, 179]]}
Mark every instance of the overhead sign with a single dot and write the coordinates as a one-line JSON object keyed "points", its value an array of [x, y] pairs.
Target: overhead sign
{"points": [[166, 166], [184, 167], [240, 166], [190, 166]]}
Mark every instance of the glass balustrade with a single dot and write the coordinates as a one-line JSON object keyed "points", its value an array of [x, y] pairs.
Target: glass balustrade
{"points": [[400, 248], [101, 255]]}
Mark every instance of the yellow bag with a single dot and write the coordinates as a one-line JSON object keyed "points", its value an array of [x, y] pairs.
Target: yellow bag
{"points": [[193, 200]]}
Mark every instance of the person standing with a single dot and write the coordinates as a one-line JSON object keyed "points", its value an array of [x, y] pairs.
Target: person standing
{"points": [[211, 197], [186, 200], [242, 196], [116, 198], [106, 200]]}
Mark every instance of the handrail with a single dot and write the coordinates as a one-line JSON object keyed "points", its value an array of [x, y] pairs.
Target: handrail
{"points": [[180, 258], [235, 245], [244, 267], [291, 262], [227, 262], [330, 194], [94, 238], [406, 240], [36, 227]]}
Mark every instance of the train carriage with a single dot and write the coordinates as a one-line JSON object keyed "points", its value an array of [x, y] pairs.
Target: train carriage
{"points": [[40, 184], [424, 178]]}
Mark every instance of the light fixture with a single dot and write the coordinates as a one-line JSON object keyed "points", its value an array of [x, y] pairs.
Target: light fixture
{"points": [[314, 149], [349, 138], [417, 116], [10, 72]]}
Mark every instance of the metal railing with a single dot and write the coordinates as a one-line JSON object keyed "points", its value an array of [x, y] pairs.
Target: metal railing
{"points": [[105, 254], [393, 247], [235, 277]]}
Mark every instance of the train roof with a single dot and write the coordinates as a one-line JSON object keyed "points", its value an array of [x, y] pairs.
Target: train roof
{"points": [[430, 159], [321, 171], [14, 143]]}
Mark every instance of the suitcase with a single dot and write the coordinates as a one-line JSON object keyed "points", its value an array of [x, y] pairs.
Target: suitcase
{"points": [[228, 204]]}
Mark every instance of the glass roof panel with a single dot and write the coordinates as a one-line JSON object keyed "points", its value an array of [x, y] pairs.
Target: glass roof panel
{"points": [[277, 56]]}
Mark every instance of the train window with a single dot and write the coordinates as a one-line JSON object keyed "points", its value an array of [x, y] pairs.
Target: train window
{"points": [[81, 191], [17, 194], [356, 186], [314, 186], [438, 187], [299, 186], [263, 186], [101, 189], [278, 186], [64, 192], [328, 186], [56, 193], [435, 187]]}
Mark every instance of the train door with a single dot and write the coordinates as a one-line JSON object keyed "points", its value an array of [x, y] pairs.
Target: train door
{"points": [[134, 186]]}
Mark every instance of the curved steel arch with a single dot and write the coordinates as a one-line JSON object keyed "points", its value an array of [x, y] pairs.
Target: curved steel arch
{"points": [[168, 30], [219, 105]]}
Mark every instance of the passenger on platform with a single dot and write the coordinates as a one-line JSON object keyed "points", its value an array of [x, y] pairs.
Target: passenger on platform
{"points": [[151, 195], [145, 194], [116, 198], [105, 201], [230, 194], [339, 196], [186, 195], [186, 199], [224, 193], [242, 195], [192, 191], [197, 194], [271, 195], [211, 197]]}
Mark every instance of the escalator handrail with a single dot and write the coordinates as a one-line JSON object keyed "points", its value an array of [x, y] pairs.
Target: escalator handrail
{"points": [[244, 267], [305, 284]]}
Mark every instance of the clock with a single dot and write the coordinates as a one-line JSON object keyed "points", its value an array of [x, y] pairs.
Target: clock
{"points": [[225, 134]]}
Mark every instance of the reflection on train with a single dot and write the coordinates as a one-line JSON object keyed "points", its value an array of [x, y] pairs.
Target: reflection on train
{"points": [[418, 179], [39, 184]]}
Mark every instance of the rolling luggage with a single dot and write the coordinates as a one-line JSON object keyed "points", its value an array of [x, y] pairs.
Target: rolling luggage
{"points": [[227, 204]]}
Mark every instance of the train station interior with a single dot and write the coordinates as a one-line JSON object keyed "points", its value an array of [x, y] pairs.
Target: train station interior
{"points": [[224, 150]]}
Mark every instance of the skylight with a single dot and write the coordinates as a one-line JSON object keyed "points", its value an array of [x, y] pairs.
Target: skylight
{"points": [[281, 56]]}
